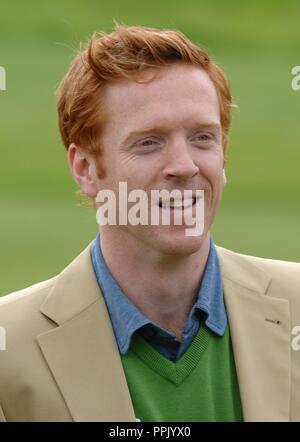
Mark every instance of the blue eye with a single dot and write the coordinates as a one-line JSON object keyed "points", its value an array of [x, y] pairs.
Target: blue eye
{"points": [[204, 137], [147, 143]]}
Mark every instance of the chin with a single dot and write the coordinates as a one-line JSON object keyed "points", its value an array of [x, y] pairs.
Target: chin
{"points": [[174, 242]]}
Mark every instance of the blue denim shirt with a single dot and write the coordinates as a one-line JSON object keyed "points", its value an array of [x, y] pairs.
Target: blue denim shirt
{"points": [[127, 319]]}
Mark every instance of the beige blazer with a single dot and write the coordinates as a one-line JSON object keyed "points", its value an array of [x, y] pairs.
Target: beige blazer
{"points": [[61, 361]]}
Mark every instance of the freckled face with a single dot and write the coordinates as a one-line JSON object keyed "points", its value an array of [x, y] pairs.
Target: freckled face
{"points": [[165, 134]]}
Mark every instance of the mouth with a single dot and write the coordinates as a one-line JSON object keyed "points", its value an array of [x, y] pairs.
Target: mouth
{"points": [[177, 204]]}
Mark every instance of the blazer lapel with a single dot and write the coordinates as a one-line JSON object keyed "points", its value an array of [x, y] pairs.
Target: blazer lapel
{"points": [[260, 333], [81, 351]]}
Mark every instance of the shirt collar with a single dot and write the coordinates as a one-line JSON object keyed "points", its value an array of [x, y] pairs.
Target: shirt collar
{"points": [[210, 297], [126, 318], [124, 315]]}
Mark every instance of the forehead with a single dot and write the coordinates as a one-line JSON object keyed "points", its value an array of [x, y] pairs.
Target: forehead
{"points": [[166, 95]]}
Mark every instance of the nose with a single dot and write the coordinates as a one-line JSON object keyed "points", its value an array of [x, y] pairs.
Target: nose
{"points": [[179, 162]]}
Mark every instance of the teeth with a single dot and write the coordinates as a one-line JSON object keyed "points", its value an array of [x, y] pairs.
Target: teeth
{"points": [[187, 202]]}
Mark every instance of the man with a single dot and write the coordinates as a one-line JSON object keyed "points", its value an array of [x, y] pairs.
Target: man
{"points": [[148, 322]]}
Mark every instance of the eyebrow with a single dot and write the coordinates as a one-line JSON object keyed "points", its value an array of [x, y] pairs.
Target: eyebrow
{"points": [[151, 130]]}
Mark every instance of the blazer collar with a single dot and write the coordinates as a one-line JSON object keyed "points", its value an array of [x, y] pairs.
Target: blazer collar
{"points": [[260, 332], [81, 352], [74, 290]]}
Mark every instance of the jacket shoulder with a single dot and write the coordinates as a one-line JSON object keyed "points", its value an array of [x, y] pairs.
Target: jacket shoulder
{"points": [[21, 305], [265, 264], [28, 391], [282, 278]]}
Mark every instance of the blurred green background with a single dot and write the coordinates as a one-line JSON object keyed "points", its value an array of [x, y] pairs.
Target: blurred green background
{"points": [[257, 43]]}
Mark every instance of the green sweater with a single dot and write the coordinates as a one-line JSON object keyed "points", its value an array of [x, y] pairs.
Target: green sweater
{"points": [[201, 386]]}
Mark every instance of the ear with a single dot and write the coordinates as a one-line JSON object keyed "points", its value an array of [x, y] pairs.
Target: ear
{"points": [[83, 169]]}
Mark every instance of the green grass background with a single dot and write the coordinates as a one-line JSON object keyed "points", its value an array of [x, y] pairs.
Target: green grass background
{"points": [[257, 43]]}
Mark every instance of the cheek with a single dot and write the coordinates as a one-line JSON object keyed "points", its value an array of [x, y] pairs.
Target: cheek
{"points": [[212, 168], [212, 164], [139, 173]]}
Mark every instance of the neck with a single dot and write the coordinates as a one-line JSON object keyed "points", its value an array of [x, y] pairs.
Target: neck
{"points": [[166, 286]]}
